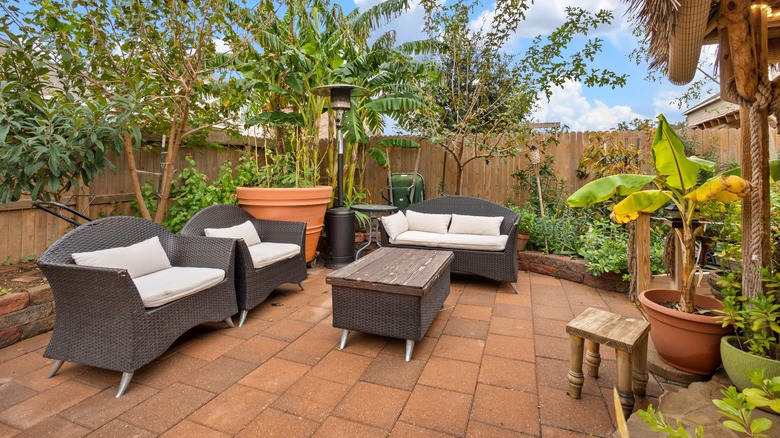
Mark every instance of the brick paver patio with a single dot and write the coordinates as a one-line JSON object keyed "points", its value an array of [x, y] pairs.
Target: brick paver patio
{"points": [[492, 364]]}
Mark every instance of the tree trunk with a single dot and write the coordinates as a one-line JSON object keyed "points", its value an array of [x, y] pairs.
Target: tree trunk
{"points": [[687, 250], [139, 197]]}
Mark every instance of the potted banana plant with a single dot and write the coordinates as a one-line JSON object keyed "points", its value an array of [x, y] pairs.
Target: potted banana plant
{"points": [[684, 332]]}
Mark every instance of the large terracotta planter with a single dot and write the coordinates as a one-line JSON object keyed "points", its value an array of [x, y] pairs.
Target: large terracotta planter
{"points": [[685, 341], [305, 204], [737, 362]]}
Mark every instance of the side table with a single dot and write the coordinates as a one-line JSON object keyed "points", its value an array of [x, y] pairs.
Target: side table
{"points": [[374, 212]]}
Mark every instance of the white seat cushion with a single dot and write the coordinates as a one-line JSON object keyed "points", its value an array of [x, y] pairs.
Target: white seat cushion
{"points": [[432, 223], [395, 224], [139, 259], [245, 231], [482, 225], [267, 253], [452, 241], [170, 284]]}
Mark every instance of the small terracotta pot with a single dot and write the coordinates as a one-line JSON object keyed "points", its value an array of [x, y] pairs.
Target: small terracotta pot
{"points": [[522, 240], [686, 341]]}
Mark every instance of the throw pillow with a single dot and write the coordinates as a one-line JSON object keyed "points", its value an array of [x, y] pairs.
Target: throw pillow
{"points": [[139, 259], [395, 224], [482, 225], [244, 231], [431, 223]]}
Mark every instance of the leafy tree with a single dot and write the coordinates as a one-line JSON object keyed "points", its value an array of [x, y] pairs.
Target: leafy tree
{"points": [[154, 62], [50, 141], [484, 94]]}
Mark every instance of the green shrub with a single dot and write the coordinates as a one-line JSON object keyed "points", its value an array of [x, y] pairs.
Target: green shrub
{"points": [[604, 245]]}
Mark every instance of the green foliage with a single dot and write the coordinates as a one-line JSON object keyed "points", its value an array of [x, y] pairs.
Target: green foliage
{"points": [[29, 258], [606, 154], [657, 422], [525, 180], [50, 140], [735, 406], [756, 321], [764, 392], [6, 291], [193, 192], [9, 262], [604, 245]]}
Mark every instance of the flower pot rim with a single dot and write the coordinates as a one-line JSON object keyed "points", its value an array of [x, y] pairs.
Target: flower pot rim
{"points": [[646, 301]]}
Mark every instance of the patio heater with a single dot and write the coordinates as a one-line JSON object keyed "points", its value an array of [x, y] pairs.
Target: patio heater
{"points": [[339, 221]]}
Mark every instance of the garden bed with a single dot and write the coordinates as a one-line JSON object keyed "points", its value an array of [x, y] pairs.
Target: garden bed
{"points": [[571, 269]]}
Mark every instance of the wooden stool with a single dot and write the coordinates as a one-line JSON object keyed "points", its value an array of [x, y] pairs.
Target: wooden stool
{"points": [[628, 336]]}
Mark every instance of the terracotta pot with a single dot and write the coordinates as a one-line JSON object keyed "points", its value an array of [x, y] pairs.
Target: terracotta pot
{"points": [[685, 341], [522, 240], [737, 362], [305, 204]]}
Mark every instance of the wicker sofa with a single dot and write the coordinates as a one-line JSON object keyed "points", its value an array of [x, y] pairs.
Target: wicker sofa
{"points": [[107, 314], [495, 262], [255, 284]]}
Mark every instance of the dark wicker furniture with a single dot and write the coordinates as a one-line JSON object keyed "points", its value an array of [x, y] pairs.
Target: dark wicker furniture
{"points": [[393, 292], [254, 285], [495, 265], [100, 318]]}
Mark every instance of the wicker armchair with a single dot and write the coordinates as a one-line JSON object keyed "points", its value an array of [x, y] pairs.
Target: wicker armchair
{"points": [[254, 285], [495, 265], [101, 320]]}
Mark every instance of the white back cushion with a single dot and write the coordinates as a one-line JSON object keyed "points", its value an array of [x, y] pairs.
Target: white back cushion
{"points": [[139, 259], [431, 223], [244, 231], [481, 225], [395, 224]]}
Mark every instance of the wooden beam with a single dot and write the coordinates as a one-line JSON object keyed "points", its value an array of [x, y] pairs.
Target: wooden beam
{"points": [[725, 65], [742, 46]]}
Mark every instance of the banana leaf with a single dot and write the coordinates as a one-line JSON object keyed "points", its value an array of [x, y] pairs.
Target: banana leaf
{"points": [[669, 156], [646, 201], [604, 188]]}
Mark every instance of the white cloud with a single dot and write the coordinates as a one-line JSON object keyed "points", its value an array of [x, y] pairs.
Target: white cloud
{"points": [[568, 106]]}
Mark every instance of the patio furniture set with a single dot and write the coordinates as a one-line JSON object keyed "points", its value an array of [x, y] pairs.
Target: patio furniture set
{"points": [[126, 288]]}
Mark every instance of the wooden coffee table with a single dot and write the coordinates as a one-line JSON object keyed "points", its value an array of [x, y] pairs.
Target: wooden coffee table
{"points": [[393, 292]]}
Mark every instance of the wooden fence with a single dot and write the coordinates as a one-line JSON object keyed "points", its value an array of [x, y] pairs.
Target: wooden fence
{"points": [[26, 231]]}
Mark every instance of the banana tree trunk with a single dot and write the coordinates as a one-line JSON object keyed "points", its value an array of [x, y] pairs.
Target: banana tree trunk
{"points": [[687, 238]]}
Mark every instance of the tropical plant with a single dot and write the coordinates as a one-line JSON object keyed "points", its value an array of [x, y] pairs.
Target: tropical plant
{"points": [[604, 245], [313, 43], [676, 180]]}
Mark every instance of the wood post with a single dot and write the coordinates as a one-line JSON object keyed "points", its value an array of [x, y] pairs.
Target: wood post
{"points": [[576, 379], [642, 249]]}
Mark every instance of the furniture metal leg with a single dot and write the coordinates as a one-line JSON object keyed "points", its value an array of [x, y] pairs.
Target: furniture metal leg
{"points": [[54, 368], [229, 322], [344, 334], [300, 285], [514, 286], [242, 317], [576, 379], [126, 378], [409, 349]]}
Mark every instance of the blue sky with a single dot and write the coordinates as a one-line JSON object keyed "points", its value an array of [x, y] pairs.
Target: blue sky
{"points": [[579, 107]]}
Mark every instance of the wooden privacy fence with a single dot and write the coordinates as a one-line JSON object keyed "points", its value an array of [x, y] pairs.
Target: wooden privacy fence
{"points": [[26, 231]]}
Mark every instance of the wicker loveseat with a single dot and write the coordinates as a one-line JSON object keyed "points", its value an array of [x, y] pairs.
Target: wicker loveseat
{"points": [[497, 261], [103, 316], [254, 284]]}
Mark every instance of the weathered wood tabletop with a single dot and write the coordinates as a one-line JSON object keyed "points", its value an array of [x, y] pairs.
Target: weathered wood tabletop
{"points": [[394, 270]]}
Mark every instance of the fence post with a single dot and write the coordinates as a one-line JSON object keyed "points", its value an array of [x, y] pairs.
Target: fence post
{"points": [[642, 242]]}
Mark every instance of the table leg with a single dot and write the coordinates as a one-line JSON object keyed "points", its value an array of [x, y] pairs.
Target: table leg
{"points": [[639, 362], [409, 348], [372, 217], [592, 358], [624, 382], [344, 334], [576, 379]]}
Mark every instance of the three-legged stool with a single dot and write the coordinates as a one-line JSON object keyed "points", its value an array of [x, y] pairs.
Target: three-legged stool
{"points": [[628, 336]]}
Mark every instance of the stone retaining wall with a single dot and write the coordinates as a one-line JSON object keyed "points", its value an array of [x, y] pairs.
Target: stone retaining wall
{"points": [[566, 268], [26, 314]]}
